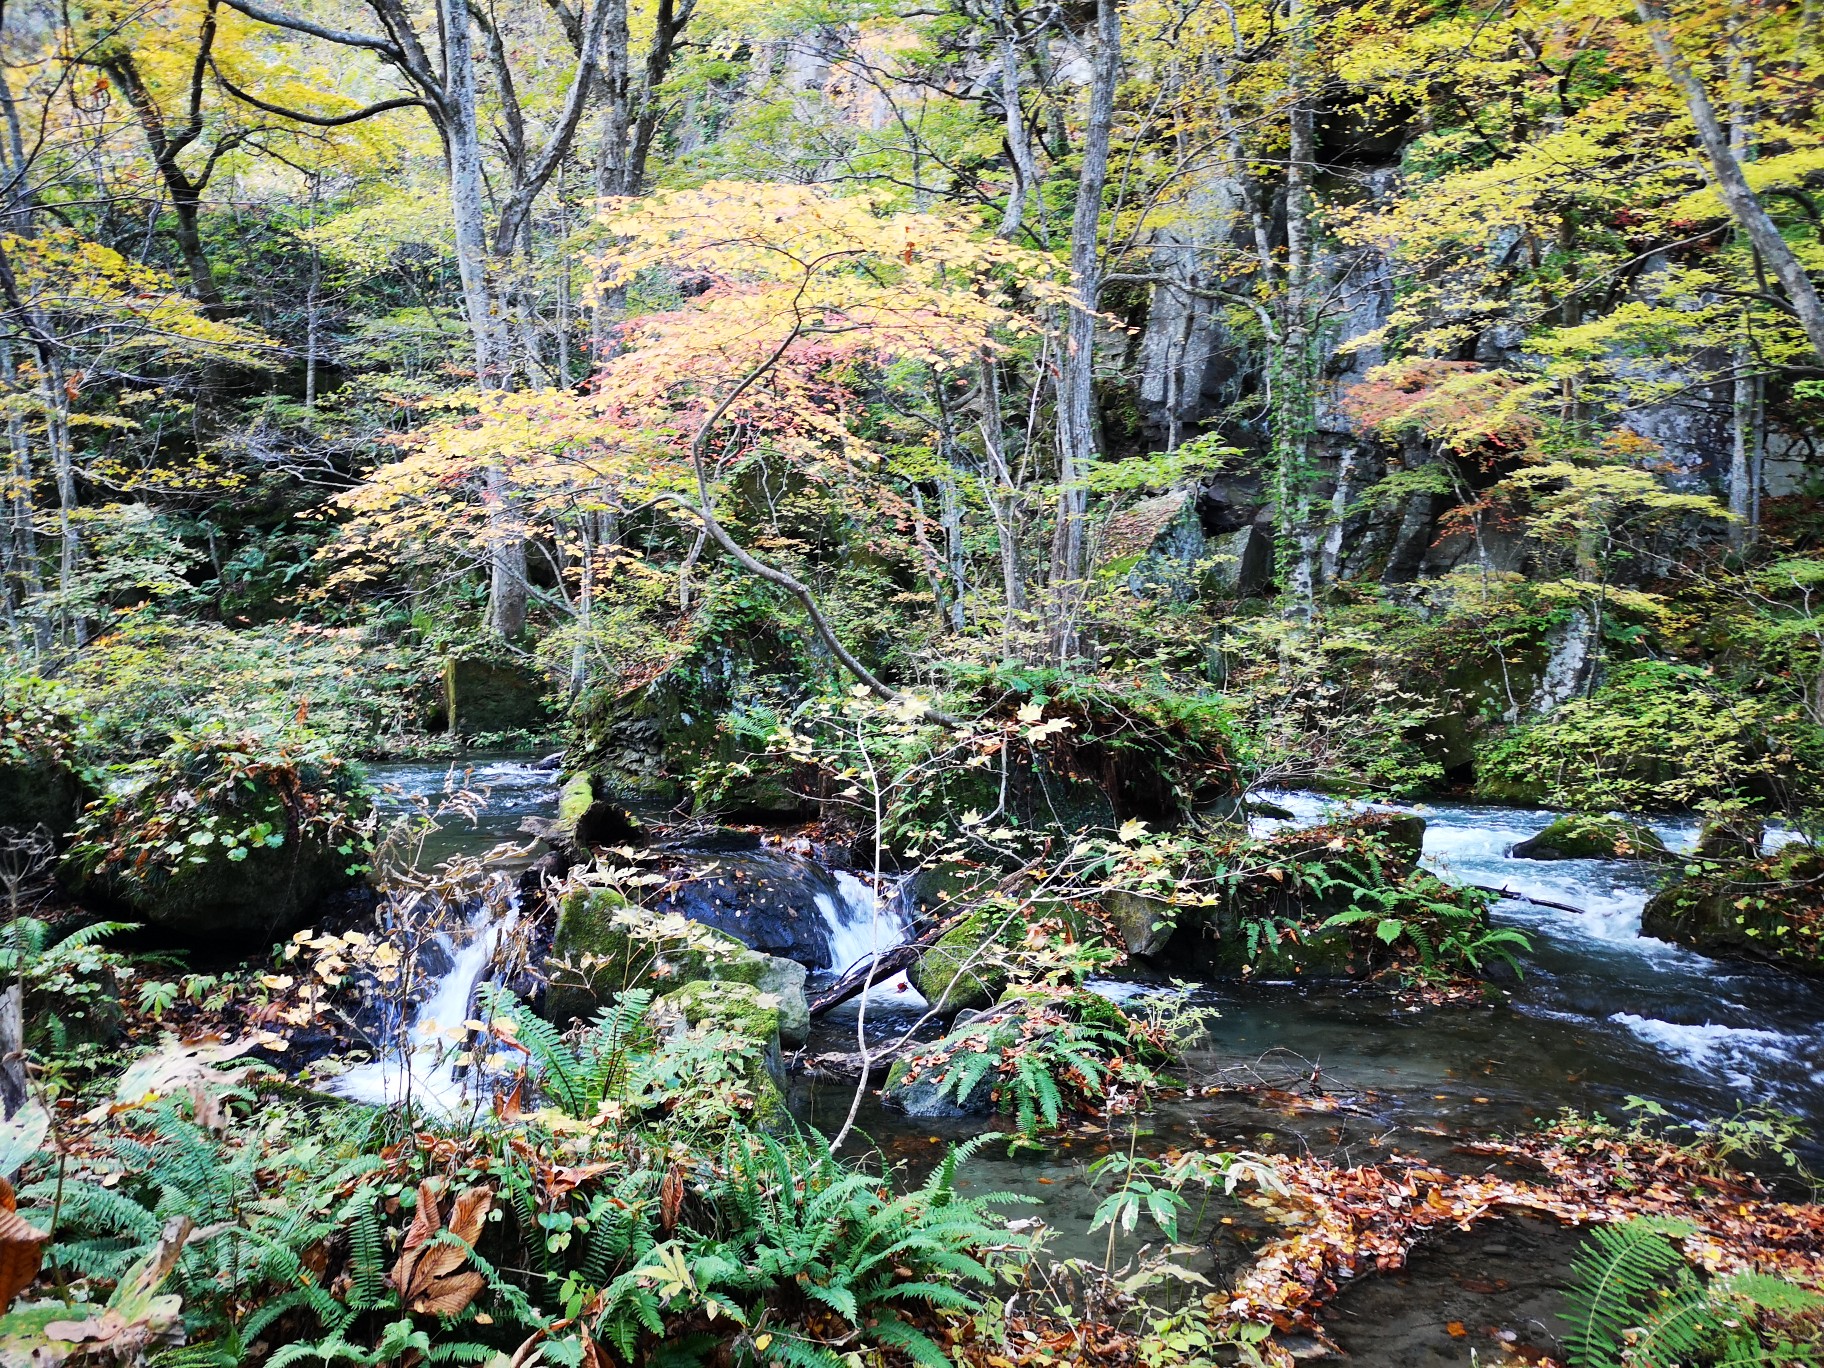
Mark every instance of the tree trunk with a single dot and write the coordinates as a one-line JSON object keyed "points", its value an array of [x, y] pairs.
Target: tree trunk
{"points": [[1732, 185], [481, 305], [1078, 439], [1292, 436], [1019, 145]]}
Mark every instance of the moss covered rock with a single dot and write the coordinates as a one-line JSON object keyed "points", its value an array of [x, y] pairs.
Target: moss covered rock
{"points": [[1144, 923], [1768, 910], [743, 1011], [1271, 923], [961, 969], [489, 692], [604, 945], [914, 1092], [230, 837], [39, 784], [1578, 837]]}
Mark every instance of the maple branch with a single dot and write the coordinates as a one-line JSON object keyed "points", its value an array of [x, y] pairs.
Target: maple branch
{"points": [[800, 591], [343, 37], [317, 120]]}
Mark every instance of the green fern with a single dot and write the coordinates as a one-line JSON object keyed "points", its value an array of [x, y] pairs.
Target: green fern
{"points": [[1620, 1268]]}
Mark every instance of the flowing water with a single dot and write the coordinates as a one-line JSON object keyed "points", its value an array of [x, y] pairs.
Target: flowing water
{"points": [[477, 806], [1600, 1014]]}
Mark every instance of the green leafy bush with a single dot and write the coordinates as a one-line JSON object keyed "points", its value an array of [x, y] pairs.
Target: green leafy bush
{"points": [[281, 814], [1659, 735]]}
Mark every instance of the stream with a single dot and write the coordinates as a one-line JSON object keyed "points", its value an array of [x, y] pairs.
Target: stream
{"points": [[1600, 1014]]}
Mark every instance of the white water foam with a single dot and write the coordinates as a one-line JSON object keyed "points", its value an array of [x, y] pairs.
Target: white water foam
{"points": [[424, 1068], [864, 925], [1737, 1052], [1598, 952]]}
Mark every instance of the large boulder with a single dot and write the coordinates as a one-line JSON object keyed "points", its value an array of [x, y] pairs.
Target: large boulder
{"points": [[1766, 910], [1581, 837], [604, 945], [1145, 922], [487, 693], [39, 784], [962, 968], [914, 1091], [773, 900], [1271, 923], [744, 1012], [679, 735], [236, 838]]}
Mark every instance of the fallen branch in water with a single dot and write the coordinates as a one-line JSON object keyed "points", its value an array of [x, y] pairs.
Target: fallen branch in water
{"points": [[1528, 897], [866, 973]]}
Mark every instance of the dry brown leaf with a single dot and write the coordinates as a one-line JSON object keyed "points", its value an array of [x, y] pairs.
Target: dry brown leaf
{"points": [[21, 1248], [430, 1273]]}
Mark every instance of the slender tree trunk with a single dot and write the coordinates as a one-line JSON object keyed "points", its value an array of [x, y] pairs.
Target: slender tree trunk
{"points": [[1019, 145], [481, 304], [1742, 500], [1078, 438], [1297, 512], [312, 307], [1726, 169], [21, 479]]}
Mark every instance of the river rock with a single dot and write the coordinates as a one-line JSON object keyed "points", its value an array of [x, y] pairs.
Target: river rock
{"points": [[1274, 927], [604, 945], [774, 901], [1759, 909], [743, 1011], [1578, 837], [1145, 922], [38, 791], [201, 843], [917, 1095], [489, 694], [960, 969], [1739, 839]]}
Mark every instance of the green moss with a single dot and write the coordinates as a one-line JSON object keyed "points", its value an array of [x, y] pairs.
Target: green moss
{"points": [[605, 945], [743, 1011], [952, 971], [575, 799], [1759, 909], [1580, 837]]}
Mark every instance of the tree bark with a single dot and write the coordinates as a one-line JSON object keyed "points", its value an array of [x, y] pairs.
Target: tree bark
{"points": [[1078, 438], [1726, 169]]}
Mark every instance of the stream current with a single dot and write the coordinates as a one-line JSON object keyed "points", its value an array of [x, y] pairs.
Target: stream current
{"points": [[1600, 1014]]}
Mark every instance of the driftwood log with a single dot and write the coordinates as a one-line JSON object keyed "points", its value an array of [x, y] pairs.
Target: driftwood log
{"points": [[868, 972], [1529, 898]]}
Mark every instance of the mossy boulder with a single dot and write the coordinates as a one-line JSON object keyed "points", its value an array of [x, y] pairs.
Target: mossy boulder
{"points": [[914, 1092], [1580, 837], [743, 1011], [961, 968], [1271, 924], [1768, 910], [698, 731], [604, 945], [235, 838], [1737, 839], [1145, 922], [40, 792], [39, 783], [585, 821], [488, 692]]}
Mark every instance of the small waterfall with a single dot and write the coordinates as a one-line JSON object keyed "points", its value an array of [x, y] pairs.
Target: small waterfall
{"points": [[423, 1066], [863, 925]]}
